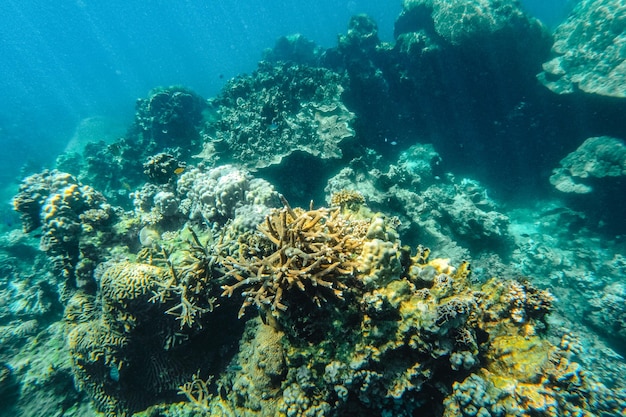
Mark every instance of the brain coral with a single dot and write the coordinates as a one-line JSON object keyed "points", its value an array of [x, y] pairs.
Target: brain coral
{"points": [[279, 109], [127, 345], [589, 51]]}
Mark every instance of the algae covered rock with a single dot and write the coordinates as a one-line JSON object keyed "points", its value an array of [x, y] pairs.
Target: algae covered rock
{"points": [[170, 116], [589, 51], [462, 22], [598, 157], [280, 109]]}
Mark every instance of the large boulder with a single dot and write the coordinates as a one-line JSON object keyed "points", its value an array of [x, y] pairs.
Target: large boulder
{"points": [[589, 51], [596, 158]]}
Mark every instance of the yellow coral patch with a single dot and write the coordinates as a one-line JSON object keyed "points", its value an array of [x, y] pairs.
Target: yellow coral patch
{"points": [[522, 358], [442, 265]]}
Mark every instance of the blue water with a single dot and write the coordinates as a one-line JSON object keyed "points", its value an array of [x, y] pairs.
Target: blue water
{"points": [[68, 60], [65, 61]]}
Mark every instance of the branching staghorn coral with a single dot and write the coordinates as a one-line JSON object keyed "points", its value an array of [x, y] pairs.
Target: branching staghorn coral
{"points": [[197, 392], [310, 250], [191, 282]]}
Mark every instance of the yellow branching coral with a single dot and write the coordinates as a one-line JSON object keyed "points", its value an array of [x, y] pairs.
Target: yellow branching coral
{"points": [[349, 199], [310, 250], [197, 392]]}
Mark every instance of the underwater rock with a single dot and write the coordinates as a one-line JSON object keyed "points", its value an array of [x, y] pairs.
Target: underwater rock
{"points": [[588, 51], [460, 21], [280, 109], [362, 34], [9, 386], [596, 158], [294, 48], [479, 29], [170, 117], [608, 313]]}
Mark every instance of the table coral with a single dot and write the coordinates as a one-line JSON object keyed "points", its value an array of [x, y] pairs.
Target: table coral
{"points": [[280, 109]]}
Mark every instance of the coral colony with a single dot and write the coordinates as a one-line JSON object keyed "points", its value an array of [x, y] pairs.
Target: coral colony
{"points": [[402, 291]]}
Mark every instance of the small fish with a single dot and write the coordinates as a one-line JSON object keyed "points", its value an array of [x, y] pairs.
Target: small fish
{"points": [[115, 149], [114, 373], [179, 170]]}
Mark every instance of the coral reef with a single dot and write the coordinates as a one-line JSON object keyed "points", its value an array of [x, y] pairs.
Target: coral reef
{"points": [[294, 48], [143, 308], [596, 158], [476, 29], [214, 296], [424, 340], [588, 51], [74, 219], [311, 251], [170, 117], [350, 320], [441, 210], [607, 313], [217, 194], [464, 22], [280, 109], [161, 140], [40, 380], [162, 167], [347, 200]]}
